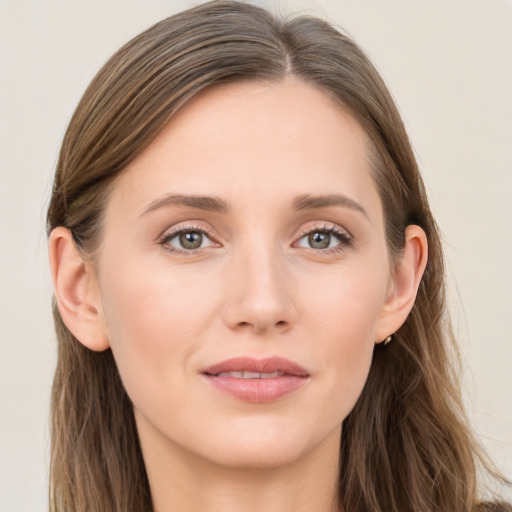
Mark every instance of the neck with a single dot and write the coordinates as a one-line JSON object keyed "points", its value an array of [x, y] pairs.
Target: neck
{"points": [[181, 481]]}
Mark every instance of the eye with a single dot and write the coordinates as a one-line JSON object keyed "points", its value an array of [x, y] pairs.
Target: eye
{"points": [[325, 238], [186, 240]]}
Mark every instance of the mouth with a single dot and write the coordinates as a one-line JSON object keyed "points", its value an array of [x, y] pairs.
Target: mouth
{"points": [[256, 380], [250, 375]]}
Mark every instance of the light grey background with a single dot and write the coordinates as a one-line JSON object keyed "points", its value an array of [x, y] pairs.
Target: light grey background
{"points": [[448, 64]]}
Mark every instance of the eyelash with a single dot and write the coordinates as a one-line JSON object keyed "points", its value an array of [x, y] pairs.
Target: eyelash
{"points": [[345, 240], [168, 236]]}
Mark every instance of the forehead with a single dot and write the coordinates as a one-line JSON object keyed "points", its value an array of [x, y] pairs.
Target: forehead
{"points": [[255, 139]]}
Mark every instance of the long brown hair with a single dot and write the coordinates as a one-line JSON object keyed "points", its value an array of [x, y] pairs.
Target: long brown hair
{"points": [[405, 445]]}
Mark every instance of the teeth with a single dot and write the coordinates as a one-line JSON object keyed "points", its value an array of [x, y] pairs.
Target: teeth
{"points": [[238, 375], [250, 375]]}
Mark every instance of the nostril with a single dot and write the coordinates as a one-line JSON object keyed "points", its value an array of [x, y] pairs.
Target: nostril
{"points": [[260, 327]]}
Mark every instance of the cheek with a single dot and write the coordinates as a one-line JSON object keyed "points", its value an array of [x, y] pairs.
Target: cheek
{"points": [[154, 321], [344, 319], [145, 300], [346, 301]]}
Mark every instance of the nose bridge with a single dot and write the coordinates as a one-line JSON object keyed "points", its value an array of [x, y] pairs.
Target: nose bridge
{"points": [[260, 297]]}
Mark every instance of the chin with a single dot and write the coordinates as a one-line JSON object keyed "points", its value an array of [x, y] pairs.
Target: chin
{"points": [[264, 455], [267, 447]]}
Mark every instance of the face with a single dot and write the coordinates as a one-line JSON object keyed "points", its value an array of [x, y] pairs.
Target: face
{"points": [[249, 237]]}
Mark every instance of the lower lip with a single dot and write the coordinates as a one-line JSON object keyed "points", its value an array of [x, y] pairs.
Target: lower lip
{"points": [[258, 391]]}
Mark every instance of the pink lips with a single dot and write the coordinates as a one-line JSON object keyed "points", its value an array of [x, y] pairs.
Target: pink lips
{"points": [[256, 380]]}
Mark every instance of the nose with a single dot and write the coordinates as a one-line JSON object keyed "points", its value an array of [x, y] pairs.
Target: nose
{"points": [[260, 298]]}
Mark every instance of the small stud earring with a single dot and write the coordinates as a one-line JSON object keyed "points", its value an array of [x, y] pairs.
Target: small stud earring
{"points": [[388, 339]]}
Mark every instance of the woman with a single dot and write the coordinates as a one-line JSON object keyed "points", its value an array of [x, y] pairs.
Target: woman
{"points": [[249, 284]]}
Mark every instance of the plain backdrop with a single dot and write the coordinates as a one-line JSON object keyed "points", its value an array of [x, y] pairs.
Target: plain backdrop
{"points": [[448, 64]]}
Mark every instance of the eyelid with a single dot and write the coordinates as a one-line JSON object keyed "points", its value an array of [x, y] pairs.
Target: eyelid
{"points": [[171, 233], [344, 236], [325, 226]]}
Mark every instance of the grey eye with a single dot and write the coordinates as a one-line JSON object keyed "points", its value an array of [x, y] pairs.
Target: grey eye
{"points": [[187, 240], [190, 239], [319, 240]]}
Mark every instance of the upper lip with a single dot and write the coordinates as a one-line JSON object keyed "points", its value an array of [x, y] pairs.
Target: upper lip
{"points": [[250, 364]]}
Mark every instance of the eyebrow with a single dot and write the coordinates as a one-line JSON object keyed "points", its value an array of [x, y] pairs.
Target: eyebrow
{"points": [[216, 204], [308, 201]]}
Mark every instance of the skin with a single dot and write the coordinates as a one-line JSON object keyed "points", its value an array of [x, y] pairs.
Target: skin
{"points": [[255, 288]]}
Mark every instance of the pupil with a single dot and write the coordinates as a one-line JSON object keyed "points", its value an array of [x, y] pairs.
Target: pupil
{"points": [[191, 239], [319, 240]]}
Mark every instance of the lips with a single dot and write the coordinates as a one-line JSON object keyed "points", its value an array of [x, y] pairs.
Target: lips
{"points": [[256, 380]]}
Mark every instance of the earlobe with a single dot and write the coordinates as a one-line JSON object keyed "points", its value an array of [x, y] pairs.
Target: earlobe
{"points": [[75, 291], [406, 279]]}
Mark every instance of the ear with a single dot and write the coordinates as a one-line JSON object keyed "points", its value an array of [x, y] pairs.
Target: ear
{"points": [[76, 291], [404, 283]]}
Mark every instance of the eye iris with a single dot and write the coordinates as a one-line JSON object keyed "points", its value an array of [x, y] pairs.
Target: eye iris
{"points": [[191, 239], [319, 240]]}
